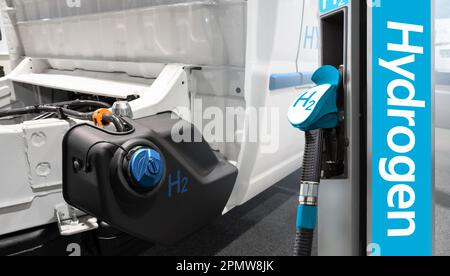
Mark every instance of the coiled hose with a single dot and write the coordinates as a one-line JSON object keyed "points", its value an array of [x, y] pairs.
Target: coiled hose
{"points": [[310, 179]]}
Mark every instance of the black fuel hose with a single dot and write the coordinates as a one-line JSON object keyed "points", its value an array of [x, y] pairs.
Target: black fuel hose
{"points": [[37, 109], [64, 107], [116, 121], [310, 179], [312, 158], [304, 239], [82, 103], [63, 112]]}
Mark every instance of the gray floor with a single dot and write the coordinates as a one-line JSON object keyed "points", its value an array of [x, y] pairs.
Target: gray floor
{"points": [[442, 195], [265, 226]]}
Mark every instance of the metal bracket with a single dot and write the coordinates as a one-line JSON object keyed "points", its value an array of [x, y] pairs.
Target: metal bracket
{"points": [[71, 221]]}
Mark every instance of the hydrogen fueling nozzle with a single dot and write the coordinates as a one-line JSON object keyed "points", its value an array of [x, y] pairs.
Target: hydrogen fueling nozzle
{"points": [[315, 110]]}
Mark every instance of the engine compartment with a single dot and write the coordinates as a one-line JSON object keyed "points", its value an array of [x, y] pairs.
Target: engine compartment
{"points": [[36, 137]]}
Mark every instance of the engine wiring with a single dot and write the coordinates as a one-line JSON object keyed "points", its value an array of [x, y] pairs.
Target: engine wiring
{"points": [[101, 116]]}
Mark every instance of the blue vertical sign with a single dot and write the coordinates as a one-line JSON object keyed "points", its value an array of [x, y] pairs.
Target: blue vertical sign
{"points": [[402, 179], [331, 5]]}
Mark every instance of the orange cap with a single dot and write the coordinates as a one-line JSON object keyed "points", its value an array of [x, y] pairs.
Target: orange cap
{"points": [[97, 117]]}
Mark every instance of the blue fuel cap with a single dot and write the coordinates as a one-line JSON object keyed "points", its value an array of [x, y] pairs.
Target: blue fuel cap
{"points": [[146, 168]]}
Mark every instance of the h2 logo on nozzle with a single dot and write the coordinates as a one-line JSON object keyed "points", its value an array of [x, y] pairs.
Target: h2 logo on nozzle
{"points": [[309, 102]]}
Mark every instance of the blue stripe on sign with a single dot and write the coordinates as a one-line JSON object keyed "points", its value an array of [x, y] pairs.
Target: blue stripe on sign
{"points": [[331, 5], [306, 217], [402, 180]]}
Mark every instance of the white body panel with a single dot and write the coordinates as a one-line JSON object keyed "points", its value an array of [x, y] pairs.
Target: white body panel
{"points": [[200, 32], [31, 173], [111, 50], [275, 44]]}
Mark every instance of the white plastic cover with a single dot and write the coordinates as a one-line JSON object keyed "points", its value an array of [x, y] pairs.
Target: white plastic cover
{"points": [[29, 10], [193, 32]]}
